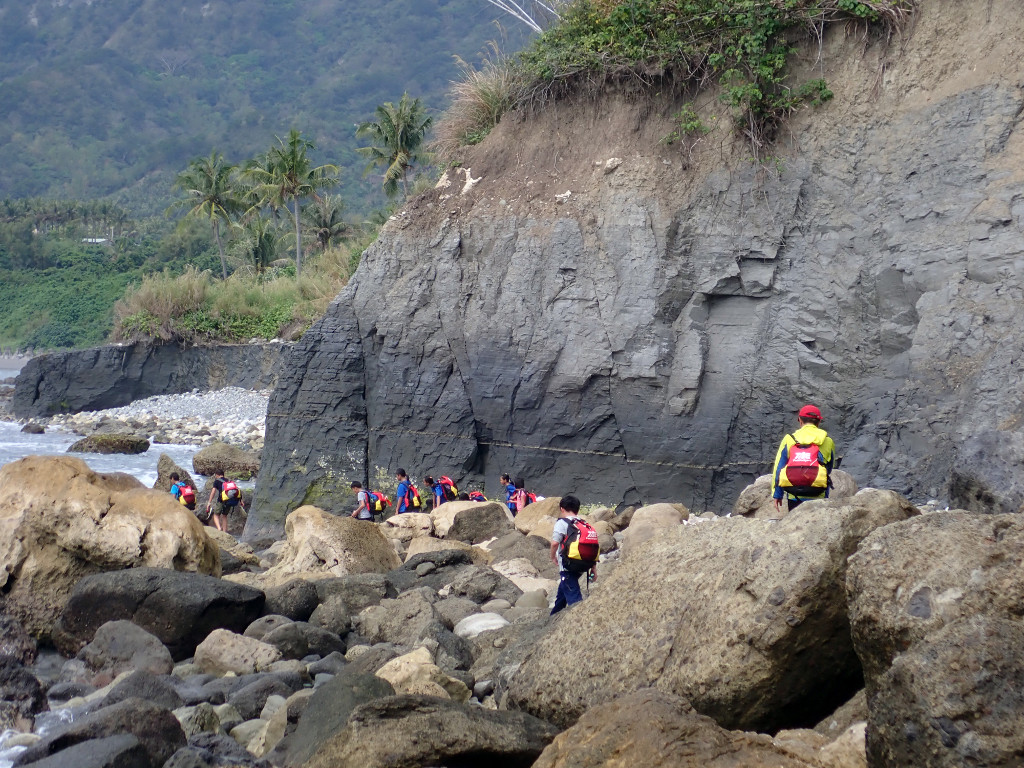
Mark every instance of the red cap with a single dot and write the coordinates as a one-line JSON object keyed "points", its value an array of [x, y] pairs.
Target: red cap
{"points": [[809, 412]]}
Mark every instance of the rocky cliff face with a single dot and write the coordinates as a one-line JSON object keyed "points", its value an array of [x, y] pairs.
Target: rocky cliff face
{"points": [[115, 375], [652, 334]]}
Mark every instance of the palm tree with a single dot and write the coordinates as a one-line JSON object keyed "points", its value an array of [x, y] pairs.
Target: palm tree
{"points": [[286, 174], [324, 221], [256, 241], [397, 136], [209, 194]]}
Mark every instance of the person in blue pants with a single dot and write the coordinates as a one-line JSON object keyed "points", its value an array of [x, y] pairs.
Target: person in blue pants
{"points": [[568, 581]]}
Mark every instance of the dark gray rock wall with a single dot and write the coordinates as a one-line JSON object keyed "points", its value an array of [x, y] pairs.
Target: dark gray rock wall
{"points": [[115, 375], [653, 336]]}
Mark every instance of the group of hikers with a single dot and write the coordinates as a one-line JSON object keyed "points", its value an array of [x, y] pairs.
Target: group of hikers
{"points": [[224, 492], [802, 471], [371, 504]]}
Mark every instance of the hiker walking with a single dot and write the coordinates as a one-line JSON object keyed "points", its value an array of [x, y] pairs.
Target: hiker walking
{"points": [[510, 489], [575, 549], [521, 498], [407, 497], [184, 493], [803, 464], [362, 512], [229, 496]]}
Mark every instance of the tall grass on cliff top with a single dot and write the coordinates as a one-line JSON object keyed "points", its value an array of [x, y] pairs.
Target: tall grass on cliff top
{"points": [[743, 45], [194, 307]]}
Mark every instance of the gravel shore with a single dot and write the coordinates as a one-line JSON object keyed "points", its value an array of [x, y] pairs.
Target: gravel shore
{"points": [[231, 415]]}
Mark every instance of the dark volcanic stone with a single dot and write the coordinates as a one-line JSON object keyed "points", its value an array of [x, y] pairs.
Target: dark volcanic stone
{"points": [[33, 429], [250, 699], [296, 599], [118, 751], [111, 376], [180, 608], [329, 708], [20, 687], [15, 641], [156, 689], [155, 727]]}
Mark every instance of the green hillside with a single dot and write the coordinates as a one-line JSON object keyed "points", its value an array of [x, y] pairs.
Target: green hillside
{"points": [[113, 97]]}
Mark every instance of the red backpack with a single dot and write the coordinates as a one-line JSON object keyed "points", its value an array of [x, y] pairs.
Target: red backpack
{"points": [[188, 494], [476, 496], [451, 493], [377, 502], [805, 474], [229, 492], [580, 547]]}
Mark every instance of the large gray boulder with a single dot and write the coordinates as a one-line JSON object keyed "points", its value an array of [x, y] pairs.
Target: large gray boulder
{"points": [[747, 619], [165, 466], [236, 463], [411, 731], [935, 611], [180, 608]]}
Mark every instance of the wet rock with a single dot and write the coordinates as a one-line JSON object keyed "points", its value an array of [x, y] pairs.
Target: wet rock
{"points": [[181, 609], [33, 428], [154, 727], [16, 644]]}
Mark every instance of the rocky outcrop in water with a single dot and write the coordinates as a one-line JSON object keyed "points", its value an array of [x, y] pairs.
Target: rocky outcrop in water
{"points": [[651, 336], [115, 375]]}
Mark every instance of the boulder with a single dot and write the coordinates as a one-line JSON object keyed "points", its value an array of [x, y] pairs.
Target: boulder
{"points": [[408, 731], [250, 699], [543, 528], [321, 545], [747, 619], [224, 652], [155, 728], [16, 644], [21, 693], [236, 463], [120, 646], [650, 521], [847, 750], [179, 608], [532, 514], [429, 544], [214, 750], [416, 673], [297, 639], [328, 711], [659, 730], [853, 711], [202, 718], [296, 599], [235, 555], [407, 526], [480, 584], [119, 751], [358, 590], [471, 521], [513, 546], [401, 621], [165, 465], [33, 428], [473, 625], [110, 443], [61, 522], [756, 499], [935, 612], [525, 576], [954, 698], [155, 688]]}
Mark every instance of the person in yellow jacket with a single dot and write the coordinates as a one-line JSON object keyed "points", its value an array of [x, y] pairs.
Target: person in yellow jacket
{"points": [[803, 464]]}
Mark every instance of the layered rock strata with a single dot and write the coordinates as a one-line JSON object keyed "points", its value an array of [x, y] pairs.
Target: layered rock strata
{"points": [[650, 335]]}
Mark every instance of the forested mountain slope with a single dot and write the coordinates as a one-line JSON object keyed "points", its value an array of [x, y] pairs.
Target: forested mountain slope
{"points": [[105, 96]]}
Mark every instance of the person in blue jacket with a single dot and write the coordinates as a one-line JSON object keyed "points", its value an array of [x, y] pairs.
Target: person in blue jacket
{"points": [[403, 492], [510, 489]]}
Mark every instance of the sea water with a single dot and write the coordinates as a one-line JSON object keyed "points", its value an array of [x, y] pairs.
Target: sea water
{"points": [[15, 444]]}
